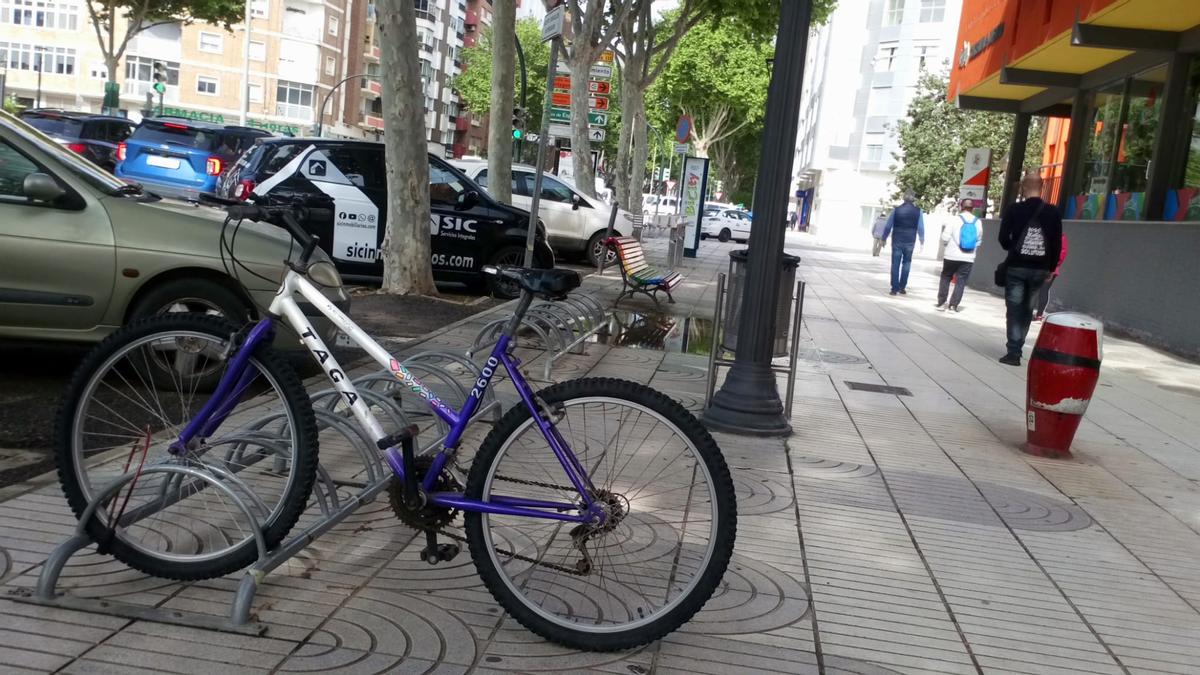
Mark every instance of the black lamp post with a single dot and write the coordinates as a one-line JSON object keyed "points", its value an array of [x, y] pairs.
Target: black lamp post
{"points": [[748, 402]]}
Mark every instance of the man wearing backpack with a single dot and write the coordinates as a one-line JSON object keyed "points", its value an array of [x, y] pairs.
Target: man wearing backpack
{"points": [[1031, 232], [962, 240]]}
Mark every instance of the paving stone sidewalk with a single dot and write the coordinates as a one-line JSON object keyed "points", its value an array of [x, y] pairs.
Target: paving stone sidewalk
{"points": [[888, 534]]}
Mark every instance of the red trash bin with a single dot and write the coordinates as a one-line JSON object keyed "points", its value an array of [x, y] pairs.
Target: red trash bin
{"points": [[1063, 371]]}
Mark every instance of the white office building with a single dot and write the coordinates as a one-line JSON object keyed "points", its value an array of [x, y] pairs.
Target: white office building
{"points": [[860, 75]]}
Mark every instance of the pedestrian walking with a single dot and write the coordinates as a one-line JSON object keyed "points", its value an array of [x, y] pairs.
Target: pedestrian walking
{"points": [[1044, 294], [793, 220], [905, 225], [877, 233], [1031, 232], [961, 240]]}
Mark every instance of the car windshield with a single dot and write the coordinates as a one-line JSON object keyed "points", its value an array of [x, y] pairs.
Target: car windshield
{"points": [[55, 125], [173, 133], [75, 163]]}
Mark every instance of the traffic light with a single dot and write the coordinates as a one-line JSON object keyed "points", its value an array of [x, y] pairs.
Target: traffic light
{"points": [[160, 76], [518, 122]]}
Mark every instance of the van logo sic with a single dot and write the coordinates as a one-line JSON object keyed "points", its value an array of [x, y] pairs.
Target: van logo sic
{"points": [[452, 226]]}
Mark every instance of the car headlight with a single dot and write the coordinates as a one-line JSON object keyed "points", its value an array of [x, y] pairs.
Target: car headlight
{"points": [[323, 273]]}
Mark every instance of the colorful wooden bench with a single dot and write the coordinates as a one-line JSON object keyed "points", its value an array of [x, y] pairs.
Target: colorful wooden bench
{"points": [[637, 275]]}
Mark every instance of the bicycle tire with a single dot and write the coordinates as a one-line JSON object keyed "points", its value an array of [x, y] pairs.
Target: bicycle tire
{"points": [[303, 459], [581, 391]]}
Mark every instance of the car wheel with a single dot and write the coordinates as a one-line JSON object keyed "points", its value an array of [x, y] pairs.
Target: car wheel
{"points": [[725, 234], [197, 296], [501, 288], [594, 247]]}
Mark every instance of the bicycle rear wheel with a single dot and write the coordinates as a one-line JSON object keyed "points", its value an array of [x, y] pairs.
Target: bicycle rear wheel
{"points": [[125, 406], [668, 538]]}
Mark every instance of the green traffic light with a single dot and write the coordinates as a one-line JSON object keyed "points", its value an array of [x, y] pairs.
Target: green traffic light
{"points": [[517, 134], [160, 87]]}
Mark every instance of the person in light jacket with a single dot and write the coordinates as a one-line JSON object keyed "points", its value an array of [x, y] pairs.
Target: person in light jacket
{"points": [[962, 239], [877, 233]]}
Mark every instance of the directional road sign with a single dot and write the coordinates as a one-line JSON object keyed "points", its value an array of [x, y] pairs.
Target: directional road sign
{"points": [[596, 135], [552, 25], [598, 87], [606, 56], [599, 71], [597, 103], [563, 82], [561, 99], [560, 130], [560, 115]]}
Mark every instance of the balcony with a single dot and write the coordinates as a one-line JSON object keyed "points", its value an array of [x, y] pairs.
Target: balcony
{"points": [[373, 122], [371, 88], [472, 17], [371, 53], [458, 150], [462, 123]]}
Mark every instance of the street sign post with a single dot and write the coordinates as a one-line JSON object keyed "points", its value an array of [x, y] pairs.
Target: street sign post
{"points": [[552, 25], [560, 130], [977, 169], [681, 148], [596, 135]]}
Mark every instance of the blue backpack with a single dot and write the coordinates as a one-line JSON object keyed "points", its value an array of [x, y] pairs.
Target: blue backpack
{"points": [[968, 235]]}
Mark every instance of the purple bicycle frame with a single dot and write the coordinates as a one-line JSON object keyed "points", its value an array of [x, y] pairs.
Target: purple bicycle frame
{"points": [[233, 384]]}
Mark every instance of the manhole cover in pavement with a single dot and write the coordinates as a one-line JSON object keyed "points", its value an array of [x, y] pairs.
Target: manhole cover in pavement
{"points": [[878, 388], [1025, 510], [815, 467], [826, 356]]}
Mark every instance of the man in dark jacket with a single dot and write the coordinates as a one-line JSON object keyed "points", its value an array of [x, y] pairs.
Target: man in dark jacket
{"points": [[905, 225], [1031, 232]]}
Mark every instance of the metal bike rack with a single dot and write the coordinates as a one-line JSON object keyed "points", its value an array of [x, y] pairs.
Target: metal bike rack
{"points": [[716, 360], [381, 391], [559, 327]]}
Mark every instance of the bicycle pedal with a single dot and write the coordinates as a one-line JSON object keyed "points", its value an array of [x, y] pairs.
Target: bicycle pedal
{"points": [[442, 553]]}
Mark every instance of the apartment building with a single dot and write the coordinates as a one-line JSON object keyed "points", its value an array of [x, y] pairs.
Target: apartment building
{"points": [[299, 51], [861, 73]]}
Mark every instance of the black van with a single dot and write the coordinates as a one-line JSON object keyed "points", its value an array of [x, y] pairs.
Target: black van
{"points": [[468, 228]]}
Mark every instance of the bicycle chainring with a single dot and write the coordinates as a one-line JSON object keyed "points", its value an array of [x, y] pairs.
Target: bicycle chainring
{"points": [[426, 516]]}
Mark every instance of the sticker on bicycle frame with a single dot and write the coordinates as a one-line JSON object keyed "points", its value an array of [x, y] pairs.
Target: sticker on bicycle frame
{"points": [[409, 380]]}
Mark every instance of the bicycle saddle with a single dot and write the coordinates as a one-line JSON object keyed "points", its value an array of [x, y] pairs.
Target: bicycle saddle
{"points": [[553, 284]]}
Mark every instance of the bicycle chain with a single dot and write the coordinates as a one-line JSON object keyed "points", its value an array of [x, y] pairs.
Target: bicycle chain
{"points": [[511, 554]]}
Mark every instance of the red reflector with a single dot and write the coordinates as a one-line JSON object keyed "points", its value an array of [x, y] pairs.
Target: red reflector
{"points": [[172, 125], [120, 152], [213, 166], [79, 148]]}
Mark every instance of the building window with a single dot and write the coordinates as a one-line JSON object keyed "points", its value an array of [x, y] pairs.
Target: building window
{"points": [[873, 153], [885, 60], [98, 71], [1191, 166], [259, 8], [258, 51], [40, 13], [141, 69], [447, 138], [53, 60], [925, 54], [893, 12], [333, 26], [933, 11], [330, 65], [213, 43], [206, 85], [294, 100], [256, 93]]}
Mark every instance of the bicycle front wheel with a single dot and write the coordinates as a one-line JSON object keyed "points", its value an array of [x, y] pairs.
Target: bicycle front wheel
{"points": [[126, 405], [667, 538]]}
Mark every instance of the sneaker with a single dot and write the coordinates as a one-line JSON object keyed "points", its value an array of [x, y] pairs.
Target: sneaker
{"points": [[903, 292], [1011, 359], [894, 292], [941, 307], [956, 308]]}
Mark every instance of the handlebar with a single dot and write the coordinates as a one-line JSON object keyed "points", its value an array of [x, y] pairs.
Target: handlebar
{"points": [[288, 217]]}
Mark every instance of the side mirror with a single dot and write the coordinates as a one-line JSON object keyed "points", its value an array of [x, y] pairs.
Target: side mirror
{"points": [[42, 188], [467, 200], [575, 201]]}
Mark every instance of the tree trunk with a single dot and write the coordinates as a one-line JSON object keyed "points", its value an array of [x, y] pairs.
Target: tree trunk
{"points": [[504, 40], [638, 155], [407, 268], [581, 147], [620, 172]]}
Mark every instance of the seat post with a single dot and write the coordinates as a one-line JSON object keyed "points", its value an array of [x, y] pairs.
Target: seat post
{"points": [[523, 304]]}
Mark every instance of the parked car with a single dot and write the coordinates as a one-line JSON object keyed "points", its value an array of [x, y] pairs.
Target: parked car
{"points": [[725, 224], [182, 158], [82, 252], [96, 137], [469, 229], [575, 224], [658, 204]]}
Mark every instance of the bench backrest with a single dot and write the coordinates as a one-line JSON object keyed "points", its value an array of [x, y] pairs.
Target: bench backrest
{"points": [[629, 252]]}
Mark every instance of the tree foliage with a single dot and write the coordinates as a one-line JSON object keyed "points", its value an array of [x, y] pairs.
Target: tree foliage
{"points": [[474, 83], [934, 138], [109, 17]]}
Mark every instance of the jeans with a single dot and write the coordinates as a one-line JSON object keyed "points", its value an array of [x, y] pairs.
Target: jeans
{"points": [[952, 268], [1020, 292], [1044, 296], [901, 263]]}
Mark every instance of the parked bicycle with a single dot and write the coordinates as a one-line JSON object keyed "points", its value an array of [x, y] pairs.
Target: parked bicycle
{"points": [[598, 512]]}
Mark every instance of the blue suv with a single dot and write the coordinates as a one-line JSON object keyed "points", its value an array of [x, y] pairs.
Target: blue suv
{"points": [[182, 158]]}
